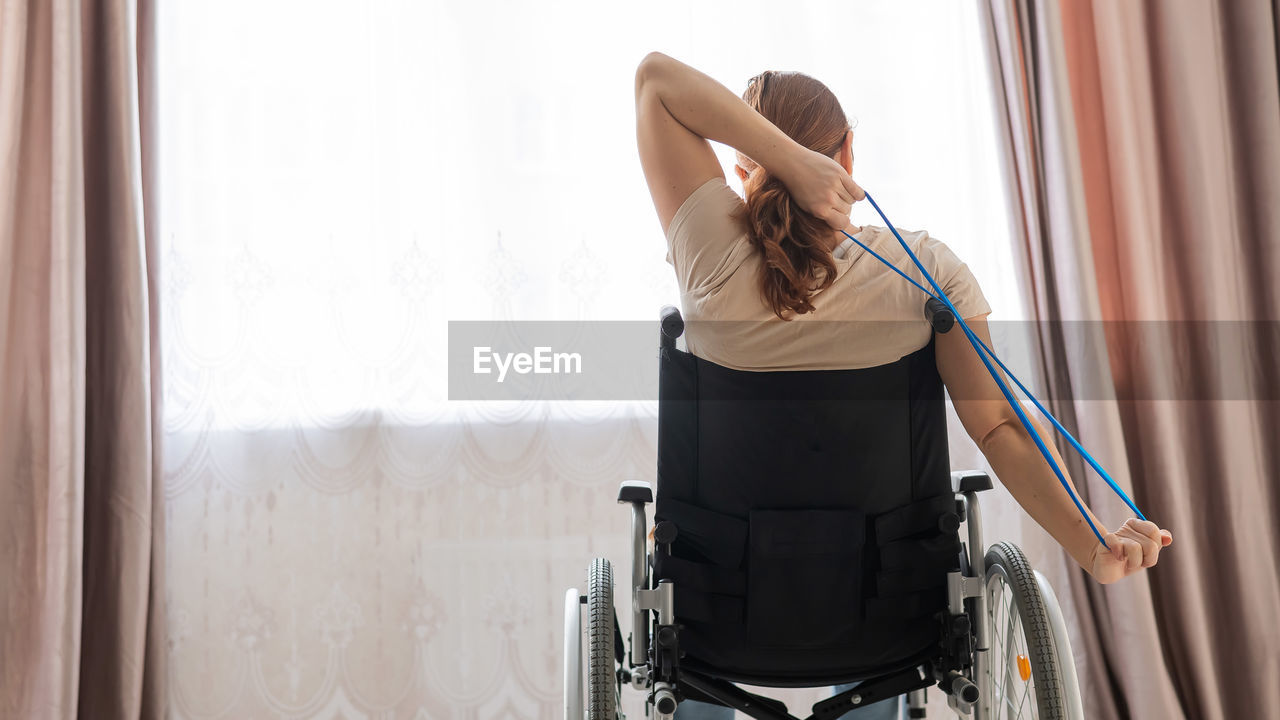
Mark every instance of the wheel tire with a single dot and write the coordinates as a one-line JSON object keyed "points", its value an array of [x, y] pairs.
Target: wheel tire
{"points": [[1062, 641], [1008, 566], [602, 675]]}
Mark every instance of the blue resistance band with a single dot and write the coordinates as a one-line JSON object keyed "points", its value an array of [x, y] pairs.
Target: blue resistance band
{"points": [[984, 353]]}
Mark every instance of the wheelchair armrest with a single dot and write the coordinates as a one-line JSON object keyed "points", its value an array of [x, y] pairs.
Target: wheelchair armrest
{"points": [[970, 481], [632, 491]]}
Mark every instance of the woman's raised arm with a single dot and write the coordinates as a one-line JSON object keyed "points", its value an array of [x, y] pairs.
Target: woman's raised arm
{"points": [[679, 108]]}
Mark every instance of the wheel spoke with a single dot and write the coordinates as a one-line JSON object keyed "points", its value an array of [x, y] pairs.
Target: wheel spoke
{"points": [[994, 612], [1009, 643], [1011, 648], [1002, 603], [1018, 712], [1010, 685]]}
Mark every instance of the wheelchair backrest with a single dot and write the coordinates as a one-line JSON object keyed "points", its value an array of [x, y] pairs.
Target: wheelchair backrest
{"points": [[807, 505]]}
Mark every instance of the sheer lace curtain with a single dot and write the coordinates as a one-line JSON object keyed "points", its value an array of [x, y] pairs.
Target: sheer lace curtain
{"points": [[342, 179]]}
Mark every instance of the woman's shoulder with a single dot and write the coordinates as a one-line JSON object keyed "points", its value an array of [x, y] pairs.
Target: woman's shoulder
{"points": [[711, 203], [707, 238], [914, 238], [942, 263], [931, 250]]}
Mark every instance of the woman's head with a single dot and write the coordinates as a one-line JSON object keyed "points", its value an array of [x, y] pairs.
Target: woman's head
{"points": [[795, 244]]}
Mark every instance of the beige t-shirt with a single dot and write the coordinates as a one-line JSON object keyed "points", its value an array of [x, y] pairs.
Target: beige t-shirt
{"points": [[868, 316]]}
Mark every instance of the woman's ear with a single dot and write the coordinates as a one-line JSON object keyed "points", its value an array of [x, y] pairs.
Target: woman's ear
{"points": [[742, 174], [846, 151]]}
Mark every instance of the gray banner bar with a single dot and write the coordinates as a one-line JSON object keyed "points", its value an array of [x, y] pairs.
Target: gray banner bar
{"points": [[618, 360]]}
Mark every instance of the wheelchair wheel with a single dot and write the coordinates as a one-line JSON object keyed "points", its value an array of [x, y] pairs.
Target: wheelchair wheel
{"points": [[601, 673], [1023, 678]]}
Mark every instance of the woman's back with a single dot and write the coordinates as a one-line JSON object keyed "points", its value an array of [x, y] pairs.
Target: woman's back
{"points": [[868, 316]]}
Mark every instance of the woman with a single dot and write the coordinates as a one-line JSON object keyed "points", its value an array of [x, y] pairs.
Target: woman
{"points": [[778, 262]]}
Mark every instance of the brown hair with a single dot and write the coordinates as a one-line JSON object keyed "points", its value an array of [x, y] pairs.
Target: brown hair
{"points": [[797, 261]]}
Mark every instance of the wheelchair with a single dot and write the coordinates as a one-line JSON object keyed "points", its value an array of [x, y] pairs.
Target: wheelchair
{"points": [[808, 532]]}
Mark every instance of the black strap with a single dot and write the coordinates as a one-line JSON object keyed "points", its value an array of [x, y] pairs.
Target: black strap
{"points": [[918, 517], [720, 538], [702, 577], [940, 551]]}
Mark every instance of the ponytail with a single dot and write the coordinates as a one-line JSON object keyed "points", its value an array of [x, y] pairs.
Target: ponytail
{"points": [[792, 243]]}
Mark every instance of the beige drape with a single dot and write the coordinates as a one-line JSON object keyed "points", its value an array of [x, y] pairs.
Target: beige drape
{"points": [[1144, 147], [80, 501]]}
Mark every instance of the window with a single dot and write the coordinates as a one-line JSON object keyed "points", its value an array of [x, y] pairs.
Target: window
{"points": [[341, 179]]}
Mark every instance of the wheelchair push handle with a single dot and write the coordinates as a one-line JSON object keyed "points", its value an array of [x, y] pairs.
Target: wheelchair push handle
{"points": [[671, 325], [939, 315]]}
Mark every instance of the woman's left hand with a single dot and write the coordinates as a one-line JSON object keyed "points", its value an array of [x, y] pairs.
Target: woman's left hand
{"points": [[821, 186], [1136, 545]]}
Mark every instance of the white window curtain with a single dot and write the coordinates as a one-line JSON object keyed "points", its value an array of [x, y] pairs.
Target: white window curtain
{"points": [[340, 179]]}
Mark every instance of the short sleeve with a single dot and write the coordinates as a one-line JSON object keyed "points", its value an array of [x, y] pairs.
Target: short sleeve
{"points": [[704, 234], [955, 278]]}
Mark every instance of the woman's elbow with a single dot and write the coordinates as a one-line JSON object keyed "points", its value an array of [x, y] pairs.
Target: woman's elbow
{"points": [[644, 70], [991, 437], [652, 58]]}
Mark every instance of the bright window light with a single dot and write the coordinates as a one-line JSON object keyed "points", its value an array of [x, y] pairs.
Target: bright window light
{"points": [[340, 179]]}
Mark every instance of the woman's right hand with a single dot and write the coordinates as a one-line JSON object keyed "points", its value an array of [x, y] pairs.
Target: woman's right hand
{"points": [[821, 186], [1136, 545]]}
